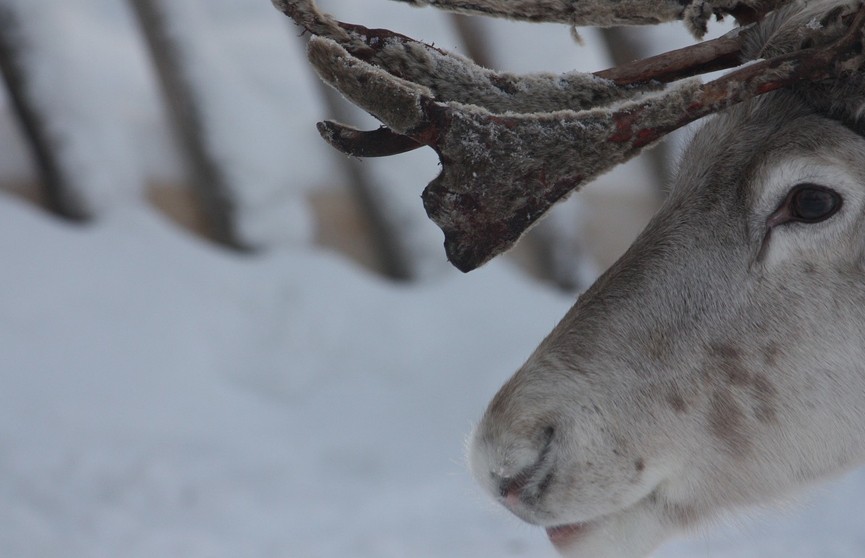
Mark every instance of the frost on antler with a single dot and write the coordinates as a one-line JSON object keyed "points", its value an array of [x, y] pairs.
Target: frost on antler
{"points": [[501, 172], [512, 146]]}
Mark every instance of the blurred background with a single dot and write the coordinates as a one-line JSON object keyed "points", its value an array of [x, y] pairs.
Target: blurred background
{"points": [[219, 337]]}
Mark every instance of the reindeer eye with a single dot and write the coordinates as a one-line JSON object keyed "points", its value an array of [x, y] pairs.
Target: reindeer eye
{"points": [[810, 203]]}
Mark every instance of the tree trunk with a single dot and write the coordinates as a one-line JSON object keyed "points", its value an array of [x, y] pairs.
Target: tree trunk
{"points": [[57, 182], [181, 98]]}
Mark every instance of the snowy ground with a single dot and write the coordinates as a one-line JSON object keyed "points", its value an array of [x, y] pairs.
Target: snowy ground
{"points": [[161, 397]]}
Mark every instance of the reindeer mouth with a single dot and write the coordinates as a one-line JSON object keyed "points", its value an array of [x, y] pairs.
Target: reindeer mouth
{"points": [[564, 536]]}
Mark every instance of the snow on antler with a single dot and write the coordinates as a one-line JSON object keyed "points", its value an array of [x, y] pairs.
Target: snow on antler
{"points": [[512, 146]]}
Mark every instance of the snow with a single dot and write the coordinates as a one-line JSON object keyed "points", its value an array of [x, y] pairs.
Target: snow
{"points": [[162, 397]]}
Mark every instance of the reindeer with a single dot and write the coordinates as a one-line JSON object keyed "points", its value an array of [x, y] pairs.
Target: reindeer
{"points": [[721, 361]]}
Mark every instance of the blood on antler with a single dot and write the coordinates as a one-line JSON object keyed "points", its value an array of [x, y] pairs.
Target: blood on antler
{"points": [[510, 145]]}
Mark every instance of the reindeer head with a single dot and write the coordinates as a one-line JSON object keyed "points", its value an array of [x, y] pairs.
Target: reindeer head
{"points": [[721, 361]]}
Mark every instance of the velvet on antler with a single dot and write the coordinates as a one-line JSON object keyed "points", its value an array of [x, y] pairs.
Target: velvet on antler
{"points": [[510, 145]]}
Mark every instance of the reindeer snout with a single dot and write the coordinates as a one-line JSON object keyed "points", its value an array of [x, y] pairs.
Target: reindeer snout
{"points": [[515, 485], [516, 470], [549, 456]]}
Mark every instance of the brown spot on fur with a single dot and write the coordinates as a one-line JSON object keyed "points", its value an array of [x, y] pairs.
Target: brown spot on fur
{"points": [[727, 423], [726, 367], [725, 352], [729, 363], [770, 354], [659, 346], [677, 402], [735, 373], [640, 465], [763, 387], [809, 267], [764, 395]]}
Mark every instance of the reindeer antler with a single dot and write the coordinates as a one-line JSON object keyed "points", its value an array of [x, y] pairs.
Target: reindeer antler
{"points": [[695, 13], [512, 146]]}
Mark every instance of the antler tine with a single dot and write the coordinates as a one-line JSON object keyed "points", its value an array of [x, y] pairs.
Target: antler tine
{"points": [[306, 14], [454, 78], [392, 100], [451, 77], [375, 143], [621, 12], [609, 13]]}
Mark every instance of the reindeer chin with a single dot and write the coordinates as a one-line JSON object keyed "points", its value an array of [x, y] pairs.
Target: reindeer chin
{"points": [[565, 536], [630, 533]]}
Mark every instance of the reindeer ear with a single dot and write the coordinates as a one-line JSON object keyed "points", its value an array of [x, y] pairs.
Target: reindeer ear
{"points": [[798, 25]]}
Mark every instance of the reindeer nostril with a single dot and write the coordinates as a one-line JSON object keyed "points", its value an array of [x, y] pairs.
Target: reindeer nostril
{"points": [[514, 486], [511, 488], [545, 482]]}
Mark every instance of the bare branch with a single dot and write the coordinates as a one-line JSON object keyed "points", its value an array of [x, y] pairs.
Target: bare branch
{"points": [[58, 182], [208, 174]]}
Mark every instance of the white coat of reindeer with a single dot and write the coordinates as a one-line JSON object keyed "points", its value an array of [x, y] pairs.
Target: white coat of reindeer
{"points": [[721, 361]]}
